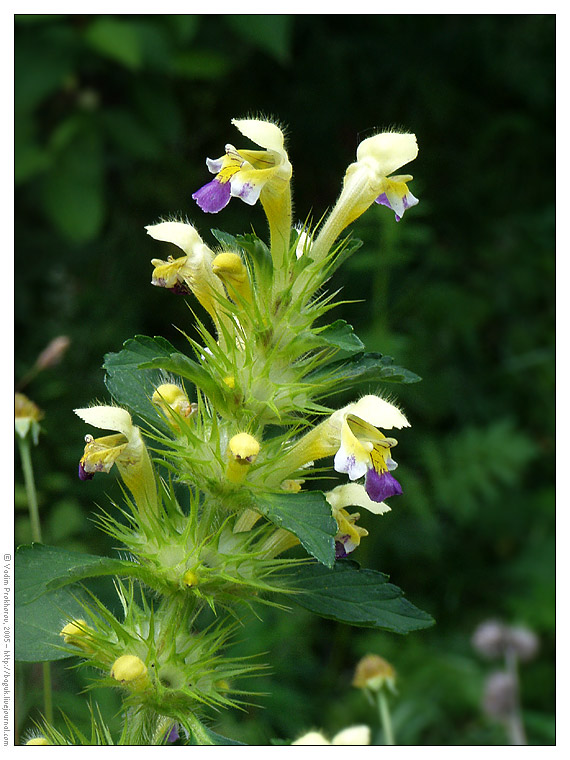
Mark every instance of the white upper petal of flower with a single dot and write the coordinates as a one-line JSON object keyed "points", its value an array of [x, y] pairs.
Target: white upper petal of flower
{"points": [[354, 495], [108, 418], [354, 735], [378, 412], [180, 234], [263, 133], [386, 152]]}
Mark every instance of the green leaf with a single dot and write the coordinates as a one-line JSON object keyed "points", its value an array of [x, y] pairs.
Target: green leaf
{"points": [[349, 594], [115, 39], [131, 386], [337, 335], [38, 625], [41, 568], [45, 597], [181, 365], [370, 367], [307, 515]]}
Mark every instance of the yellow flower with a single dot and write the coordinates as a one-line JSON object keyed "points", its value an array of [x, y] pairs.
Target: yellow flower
{"points": [[247, 174], [254, 175], [126, 449], [191, 272], [367, 181], [359, 448], [349, 534], [38, 741]]}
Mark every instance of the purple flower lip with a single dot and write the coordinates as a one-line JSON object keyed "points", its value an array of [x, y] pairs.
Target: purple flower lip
{"points": [[180, 289], [83, 474], [213, 197], [339, 550], [380, 486]]}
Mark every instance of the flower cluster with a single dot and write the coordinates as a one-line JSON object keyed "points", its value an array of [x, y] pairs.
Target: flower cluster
{"points": [[231, 438]]}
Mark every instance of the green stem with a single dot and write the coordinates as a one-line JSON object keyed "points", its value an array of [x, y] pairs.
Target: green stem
{"points": [[26, 457], [514, 722], [48, 701], [385, 718]]}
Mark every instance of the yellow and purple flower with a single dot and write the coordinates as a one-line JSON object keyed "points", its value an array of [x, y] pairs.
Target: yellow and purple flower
{"points": [[247, 174]]}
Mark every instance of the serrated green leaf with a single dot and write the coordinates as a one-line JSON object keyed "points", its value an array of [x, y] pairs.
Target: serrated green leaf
{"points": [[307, 515], [356, 596], [41, 568], [131, 386], [370, 367], [46, 595]]}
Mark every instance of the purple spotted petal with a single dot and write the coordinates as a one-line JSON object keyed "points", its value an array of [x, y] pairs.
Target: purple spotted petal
{"points": [[380, 486], [213, 197], [83, 474]]}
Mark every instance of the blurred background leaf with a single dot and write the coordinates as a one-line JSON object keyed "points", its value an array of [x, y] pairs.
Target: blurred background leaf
{"points": [[115, 115]]}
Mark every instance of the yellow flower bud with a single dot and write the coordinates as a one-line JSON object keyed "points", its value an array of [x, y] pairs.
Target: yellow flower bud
{"points": [[131, 671], [190, 578], [372, 672], [230, 381], [170, 398], [38, 741], [231, 270], [243, 449], [76, 633]]}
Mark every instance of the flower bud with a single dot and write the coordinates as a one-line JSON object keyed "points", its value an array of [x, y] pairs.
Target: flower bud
{"points": [[130, 671], [243, 449], [38, 741], [170, 398], [372, 672], [231, 270], [190, 579], [76, 633]]}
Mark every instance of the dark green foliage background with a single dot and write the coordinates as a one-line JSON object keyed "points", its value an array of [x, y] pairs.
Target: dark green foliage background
{"points": [[115, 116]]}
